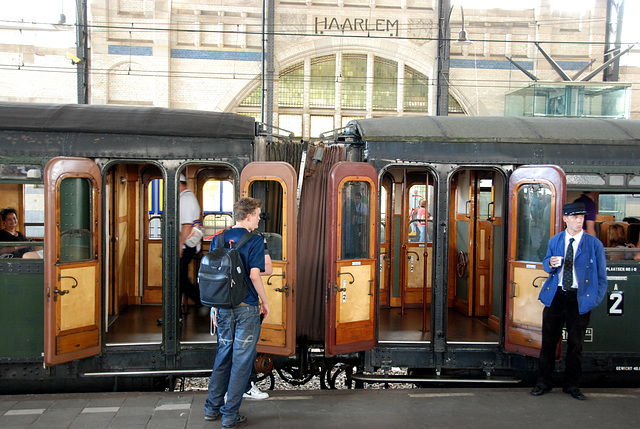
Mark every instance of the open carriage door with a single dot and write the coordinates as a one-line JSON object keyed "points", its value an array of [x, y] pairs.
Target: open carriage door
{"points": [[72, 260], [536, 196], [274, 183], [351, 258]]}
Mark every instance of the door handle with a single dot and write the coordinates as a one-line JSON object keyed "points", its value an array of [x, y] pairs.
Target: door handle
{"points": [[275, 275], [284, 289], [336, 288], [61, 292]]}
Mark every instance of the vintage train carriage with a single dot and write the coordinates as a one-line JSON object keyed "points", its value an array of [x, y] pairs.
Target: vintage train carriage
{"points": [[96, 188], [420, 247], [463, 300]]}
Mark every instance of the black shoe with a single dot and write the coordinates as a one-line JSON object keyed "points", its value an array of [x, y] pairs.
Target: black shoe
{"points": [[540, 390], [240, 422], [575, 393]]}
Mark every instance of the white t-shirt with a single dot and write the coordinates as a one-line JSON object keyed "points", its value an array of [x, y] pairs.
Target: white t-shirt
{"points": [[189, 210]]}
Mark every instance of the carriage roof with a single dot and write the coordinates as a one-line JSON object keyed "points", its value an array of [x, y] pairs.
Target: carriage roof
{"points": [[477, 129], [104, 119]]}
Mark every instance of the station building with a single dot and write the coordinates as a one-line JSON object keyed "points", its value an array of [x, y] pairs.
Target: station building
{"points": [[327, 61]]}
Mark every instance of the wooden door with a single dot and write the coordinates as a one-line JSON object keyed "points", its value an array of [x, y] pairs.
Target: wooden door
{"points": [[351, 254], [536, 196], [72, 260], [275, 184]]}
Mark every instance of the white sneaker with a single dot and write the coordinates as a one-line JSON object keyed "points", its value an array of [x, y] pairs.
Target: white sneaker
{"points": [[255, 393]]}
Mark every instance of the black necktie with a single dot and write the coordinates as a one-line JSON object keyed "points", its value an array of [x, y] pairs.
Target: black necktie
{"points": [[567, 276]]}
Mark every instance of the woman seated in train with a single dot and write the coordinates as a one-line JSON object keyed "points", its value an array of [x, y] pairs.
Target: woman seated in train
{"points": [[10, 233], [617, 238]]}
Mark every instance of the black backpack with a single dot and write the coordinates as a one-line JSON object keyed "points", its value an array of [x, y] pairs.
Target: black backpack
{"points": [[221, 275]]}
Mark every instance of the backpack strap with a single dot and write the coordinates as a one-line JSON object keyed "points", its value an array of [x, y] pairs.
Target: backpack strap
{"points": [[220, 241], [245, 237]]}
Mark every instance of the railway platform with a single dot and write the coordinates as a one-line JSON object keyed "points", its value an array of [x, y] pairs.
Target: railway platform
{"points": [[393, 408]]}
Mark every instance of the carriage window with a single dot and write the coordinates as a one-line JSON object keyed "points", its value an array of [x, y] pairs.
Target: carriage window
{"points": [[34, 211], [271, 193], [420, 222], [76, 229], [620, 226], [20, 172], [534, 222], [217, 206], [356, 203], [383, 214], [485, 196], [155, 208]]}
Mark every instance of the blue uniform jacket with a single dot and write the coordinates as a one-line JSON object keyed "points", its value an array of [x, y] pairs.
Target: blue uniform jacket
{"points": [[590, 268]]}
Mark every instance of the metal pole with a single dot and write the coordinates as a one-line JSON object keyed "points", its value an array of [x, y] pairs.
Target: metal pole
{"points": [[82, 52], [262, 62], [442, 91], [270, 61], [615, 17]]}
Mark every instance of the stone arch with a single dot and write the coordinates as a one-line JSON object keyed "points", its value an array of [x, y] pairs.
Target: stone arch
{"points": [[289, 55]]}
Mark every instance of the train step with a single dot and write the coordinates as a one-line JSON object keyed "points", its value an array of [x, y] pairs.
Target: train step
{"points": [[381, 378]]}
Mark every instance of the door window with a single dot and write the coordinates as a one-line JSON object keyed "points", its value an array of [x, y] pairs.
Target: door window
{"points": [[76, 232], [534, 222], [356, 201]]}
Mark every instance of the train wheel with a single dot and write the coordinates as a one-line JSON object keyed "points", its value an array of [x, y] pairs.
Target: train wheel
{"points": [[338, 376], [292, 376]]}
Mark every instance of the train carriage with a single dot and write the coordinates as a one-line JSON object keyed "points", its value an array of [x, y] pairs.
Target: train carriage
{"points": [[464, 299], [96, 187], [364, 279]]}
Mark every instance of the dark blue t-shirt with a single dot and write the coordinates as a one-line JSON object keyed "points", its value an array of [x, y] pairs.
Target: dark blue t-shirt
{"points": [[252, 255]]}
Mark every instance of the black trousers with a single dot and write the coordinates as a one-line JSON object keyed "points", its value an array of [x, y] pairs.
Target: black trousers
{"points": [[186, 287], [563, 309]]}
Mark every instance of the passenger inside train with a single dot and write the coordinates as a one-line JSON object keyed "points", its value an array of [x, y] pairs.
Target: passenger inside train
{"points": [[10, 233], [618, 226]]}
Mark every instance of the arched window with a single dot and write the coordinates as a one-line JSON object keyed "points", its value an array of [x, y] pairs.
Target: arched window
{"points": [[342, 87]]}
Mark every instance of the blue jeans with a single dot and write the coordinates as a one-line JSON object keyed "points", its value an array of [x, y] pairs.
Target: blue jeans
{"points": [[421, 228], [238, 333]]}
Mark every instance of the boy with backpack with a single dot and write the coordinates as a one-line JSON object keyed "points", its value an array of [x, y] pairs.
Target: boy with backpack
{"points": [[239, 327]]}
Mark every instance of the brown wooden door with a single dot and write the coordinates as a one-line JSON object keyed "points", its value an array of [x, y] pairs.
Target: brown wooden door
{"points": [[536, 196], [72, 260], [152, 240], [351, 255], [483, 273], [275, 184]]}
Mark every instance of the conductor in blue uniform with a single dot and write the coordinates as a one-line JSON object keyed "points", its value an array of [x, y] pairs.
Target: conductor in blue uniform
{"points": [[576, 284]]}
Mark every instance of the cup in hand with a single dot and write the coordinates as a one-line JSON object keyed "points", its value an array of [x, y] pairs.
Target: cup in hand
{"points": [[555, 261]]}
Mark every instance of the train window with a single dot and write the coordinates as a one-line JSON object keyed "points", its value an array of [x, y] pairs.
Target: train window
{"points": [[76, 229], [356, 200], [217, 196], [485, 196], [420, 221], [621, 206], [155, 209], [534, 222], [271, 193], [34, 211], [383, 214], [217, 206], [20, 171]]}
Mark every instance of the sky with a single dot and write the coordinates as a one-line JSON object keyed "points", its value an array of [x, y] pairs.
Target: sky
{"points": [[47, 11]]}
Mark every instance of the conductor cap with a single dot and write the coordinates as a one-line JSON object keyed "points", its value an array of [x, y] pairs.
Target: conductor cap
{"points": [[574, 209]]}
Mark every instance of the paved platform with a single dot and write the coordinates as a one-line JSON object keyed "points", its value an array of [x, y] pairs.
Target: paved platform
{"points": [[431, 408]]}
